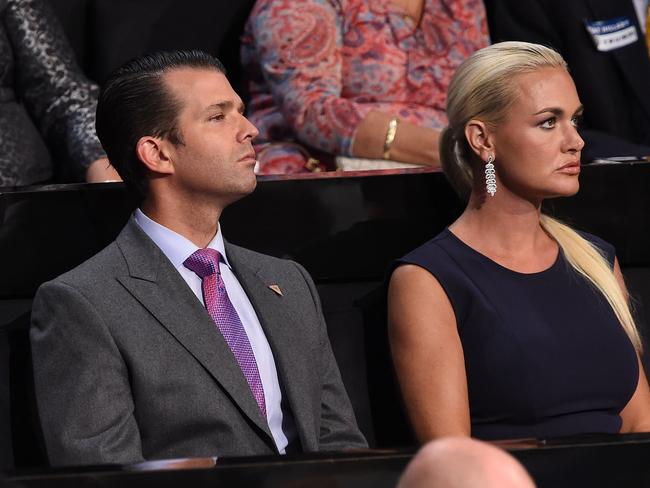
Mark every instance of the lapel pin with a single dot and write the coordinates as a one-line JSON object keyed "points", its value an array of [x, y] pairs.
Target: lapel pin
{"points": [[276, 289]]}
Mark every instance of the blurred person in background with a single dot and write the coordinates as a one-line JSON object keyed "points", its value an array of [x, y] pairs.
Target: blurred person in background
{"points": [[47, 107], [359, 78], [605, 44]]}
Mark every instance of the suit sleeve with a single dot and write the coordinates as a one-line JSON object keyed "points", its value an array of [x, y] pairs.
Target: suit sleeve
{"points": [[522, 20], [599, 144], [338, 425], [81, 382]]}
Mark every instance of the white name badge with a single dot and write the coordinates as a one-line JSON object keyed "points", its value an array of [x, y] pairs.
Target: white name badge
{"points": [[612, 34]]}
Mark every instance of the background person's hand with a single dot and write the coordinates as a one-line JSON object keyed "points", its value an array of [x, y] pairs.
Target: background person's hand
{"points": [[101, 171]]}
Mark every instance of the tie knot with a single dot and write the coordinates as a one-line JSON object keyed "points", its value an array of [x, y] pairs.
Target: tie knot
{"points": [[204, 262]]}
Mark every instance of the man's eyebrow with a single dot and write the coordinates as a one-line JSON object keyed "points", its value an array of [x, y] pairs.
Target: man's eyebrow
{"points": [[225, 106]]}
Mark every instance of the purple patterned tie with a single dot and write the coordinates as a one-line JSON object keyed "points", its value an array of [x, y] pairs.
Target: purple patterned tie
{"points": [[205, 263]]}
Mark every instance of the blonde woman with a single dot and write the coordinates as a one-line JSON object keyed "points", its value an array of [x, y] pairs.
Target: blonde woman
{"points": [[510, 324]]}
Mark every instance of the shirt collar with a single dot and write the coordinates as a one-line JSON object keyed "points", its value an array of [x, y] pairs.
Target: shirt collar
{"points": [[173, 245]]}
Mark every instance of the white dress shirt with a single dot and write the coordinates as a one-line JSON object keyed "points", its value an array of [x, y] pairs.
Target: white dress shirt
{"points": [[177, 249]]}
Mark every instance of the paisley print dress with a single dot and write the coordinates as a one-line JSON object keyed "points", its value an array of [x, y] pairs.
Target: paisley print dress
{"points": [[317, 67]]}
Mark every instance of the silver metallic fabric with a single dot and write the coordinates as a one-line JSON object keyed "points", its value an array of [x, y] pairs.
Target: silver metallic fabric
{"points": [[45, 101]]}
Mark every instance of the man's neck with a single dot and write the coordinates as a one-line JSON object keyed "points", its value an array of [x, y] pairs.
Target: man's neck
{"points": [[199, 225]]}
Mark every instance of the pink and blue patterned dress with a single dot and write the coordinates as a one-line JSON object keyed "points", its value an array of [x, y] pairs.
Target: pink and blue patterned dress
{"points": [[317, 67]]}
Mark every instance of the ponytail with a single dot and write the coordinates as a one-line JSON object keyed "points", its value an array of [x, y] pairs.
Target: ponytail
{"points": [[590, 263], [456, 169]]}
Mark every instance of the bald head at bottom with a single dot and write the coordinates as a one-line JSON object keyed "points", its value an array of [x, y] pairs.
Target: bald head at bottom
{"points": [[463, 462]]}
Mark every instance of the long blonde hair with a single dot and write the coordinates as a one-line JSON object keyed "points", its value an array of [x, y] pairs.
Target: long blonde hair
{"points": [[482, 88]]}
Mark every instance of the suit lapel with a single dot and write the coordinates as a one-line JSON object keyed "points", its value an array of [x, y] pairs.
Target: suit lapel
{"points": [[633, 59], [159, 288], [279, 324]]}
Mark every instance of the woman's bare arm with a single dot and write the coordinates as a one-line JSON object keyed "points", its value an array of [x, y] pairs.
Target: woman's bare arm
{"points": [[412, 144], [636, 414], [427, 354]]}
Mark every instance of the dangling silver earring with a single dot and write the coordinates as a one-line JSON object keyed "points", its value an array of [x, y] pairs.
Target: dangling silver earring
{"points": [[490, 177]]}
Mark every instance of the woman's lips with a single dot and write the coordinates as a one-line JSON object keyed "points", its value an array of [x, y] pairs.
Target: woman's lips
{"points": [[572, 168]]}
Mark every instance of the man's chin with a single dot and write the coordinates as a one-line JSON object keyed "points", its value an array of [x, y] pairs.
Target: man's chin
{"points": [[243, 190], [252, 183], [252, 186]]}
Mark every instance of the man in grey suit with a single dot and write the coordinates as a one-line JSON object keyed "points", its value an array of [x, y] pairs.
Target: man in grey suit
{"points": [[171, 342]]}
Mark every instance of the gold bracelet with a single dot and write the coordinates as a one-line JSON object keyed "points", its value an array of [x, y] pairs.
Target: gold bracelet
{"points": [[390, 136]]}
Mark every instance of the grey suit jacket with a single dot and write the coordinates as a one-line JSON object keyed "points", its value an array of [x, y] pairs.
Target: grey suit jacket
{"points": [[128, 365]]}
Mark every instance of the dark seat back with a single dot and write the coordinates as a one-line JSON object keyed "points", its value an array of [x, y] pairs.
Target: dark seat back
{"points": [[21, 439], [345, 231]]}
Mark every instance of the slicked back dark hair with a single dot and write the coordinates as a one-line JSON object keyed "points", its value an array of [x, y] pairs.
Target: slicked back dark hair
{"points": [[134, 102]]}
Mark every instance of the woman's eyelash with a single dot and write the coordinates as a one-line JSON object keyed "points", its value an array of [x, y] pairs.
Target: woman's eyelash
{"points": [[548, 123]]}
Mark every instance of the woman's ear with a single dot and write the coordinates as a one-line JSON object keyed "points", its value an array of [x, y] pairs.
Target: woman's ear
{"points": [[479, 139], [154, 154]]}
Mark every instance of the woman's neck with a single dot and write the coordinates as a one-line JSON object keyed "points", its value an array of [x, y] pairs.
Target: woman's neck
{"points": [[506, 228]]}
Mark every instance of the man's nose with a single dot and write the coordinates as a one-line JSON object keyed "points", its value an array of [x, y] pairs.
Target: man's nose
{"points": [[248, 129]]}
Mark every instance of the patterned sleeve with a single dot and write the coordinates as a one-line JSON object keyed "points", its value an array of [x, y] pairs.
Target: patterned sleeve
{"points": [[59, 98], [298, 44]]}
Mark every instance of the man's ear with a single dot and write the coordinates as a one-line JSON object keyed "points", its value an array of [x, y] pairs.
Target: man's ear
{"points": [[480, 139], [155, 155]]}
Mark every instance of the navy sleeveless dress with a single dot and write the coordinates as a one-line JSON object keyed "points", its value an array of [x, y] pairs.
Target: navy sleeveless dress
{"points": [[545, 355]]}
